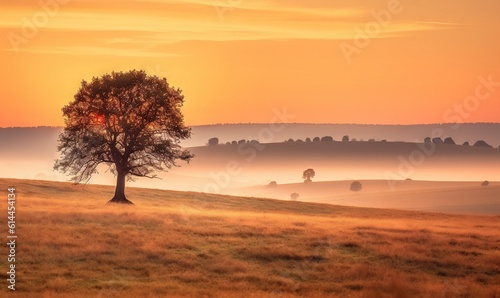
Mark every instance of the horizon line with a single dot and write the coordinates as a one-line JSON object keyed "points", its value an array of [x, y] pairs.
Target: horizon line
{"points": [[293, 123]]}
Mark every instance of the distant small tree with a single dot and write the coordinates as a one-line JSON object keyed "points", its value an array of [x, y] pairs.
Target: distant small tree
{"points": [[308, 140], [466, 144], [213, 142], [427, 140], [354, 140], [437, 141], [371, 140], [294, 196], [234, 143], [449, 141], [273, 184], [228, 143], [485, 183], [290, 141], [242, 142], [316, 139], [482, 143], [327, 139], [308, 175], [345, 139], [356, 186]]}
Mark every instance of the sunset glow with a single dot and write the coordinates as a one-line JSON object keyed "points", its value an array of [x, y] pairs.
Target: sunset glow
{"points": [[98, 119], [360, 61]]}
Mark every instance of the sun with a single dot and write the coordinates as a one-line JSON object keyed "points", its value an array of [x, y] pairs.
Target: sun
{"points": [[98, 119]]}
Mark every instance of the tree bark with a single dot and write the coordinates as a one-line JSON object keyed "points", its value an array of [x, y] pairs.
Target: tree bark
{"points": [[120, 189]]}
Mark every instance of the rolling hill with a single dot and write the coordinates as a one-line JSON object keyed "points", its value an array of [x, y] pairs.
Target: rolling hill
{"points": [[435, 196], [185, 244]]}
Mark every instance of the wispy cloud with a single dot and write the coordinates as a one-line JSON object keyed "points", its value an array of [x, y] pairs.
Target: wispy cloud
{"points": [[164, 22], [95, 51]]}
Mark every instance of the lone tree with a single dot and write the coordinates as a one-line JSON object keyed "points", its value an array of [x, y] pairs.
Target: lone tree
{"points": [[127, 120], [307, 175], [482, 143], [356, 186], [213, 142], [450, 141], [437, 141], [294, 196]]}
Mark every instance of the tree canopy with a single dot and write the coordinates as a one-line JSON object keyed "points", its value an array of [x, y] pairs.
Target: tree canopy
{"points": [[308, 175], [356, 186]]}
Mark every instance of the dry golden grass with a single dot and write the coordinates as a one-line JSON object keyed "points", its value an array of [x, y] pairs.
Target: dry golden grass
{"points": [[172, 244]]}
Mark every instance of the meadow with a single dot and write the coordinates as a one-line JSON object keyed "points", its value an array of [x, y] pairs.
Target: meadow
{"points": [[185, 244]]}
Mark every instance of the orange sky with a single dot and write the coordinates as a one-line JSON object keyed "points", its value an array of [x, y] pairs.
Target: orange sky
{"points": [[237, 60]]}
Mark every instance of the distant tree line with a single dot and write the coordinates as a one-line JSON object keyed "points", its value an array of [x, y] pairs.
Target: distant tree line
{"points": [[345, 139], [450, 141], [428, 140], [215, 142]]}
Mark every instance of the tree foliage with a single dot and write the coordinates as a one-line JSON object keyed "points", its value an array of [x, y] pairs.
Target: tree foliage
{"points": [[127, 120], [273, 184], [213, 142], [482, 143], [437, 141], [449, 141], [308, 175], [356, 186]]}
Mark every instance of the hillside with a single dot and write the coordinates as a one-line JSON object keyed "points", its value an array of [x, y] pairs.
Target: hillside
{"points": [[435, 196], [176, 244]]}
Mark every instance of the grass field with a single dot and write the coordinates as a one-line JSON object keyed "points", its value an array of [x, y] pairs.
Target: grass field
{"points": [[173, 244]]}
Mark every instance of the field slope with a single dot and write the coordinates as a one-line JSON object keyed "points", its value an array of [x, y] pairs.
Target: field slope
{"points": [[177, 244], [434, 196]]}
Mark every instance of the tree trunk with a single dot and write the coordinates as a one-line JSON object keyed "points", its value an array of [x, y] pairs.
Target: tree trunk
{"points": [[120, 189]]}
